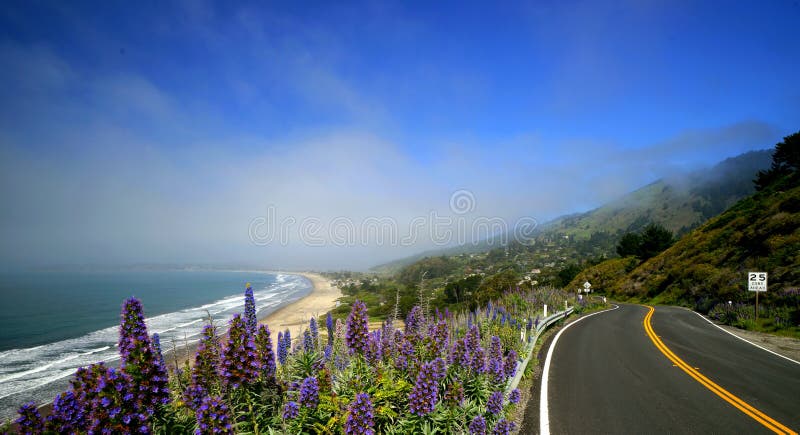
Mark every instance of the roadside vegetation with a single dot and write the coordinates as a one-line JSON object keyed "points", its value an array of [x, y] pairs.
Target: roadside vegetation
{"points": [[443, 372]]}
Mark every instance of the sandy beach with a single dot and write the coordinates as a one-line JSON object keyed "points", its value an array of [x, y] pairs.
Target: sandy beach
{"points": [[295, 316]]}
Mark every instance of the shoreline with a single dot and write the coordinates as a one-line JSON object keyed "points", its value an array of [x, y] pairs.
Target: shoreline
{"points": [[293, 315]]}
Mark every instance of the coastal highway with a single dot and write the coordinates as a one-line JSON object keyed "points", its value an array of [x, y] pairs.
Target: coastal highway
{"points": [[639, 369]]}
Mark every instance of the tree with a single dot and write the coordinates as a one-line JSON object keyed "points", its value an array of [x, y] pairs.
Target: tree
{"points": [[652, 241], [655, 239], [495, 285], [457, 291], [785, 161], [629, 244], [567, 274]]}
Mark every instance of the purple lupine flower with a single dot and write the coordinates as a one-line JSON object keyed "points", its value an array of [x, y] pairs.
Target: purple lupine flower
{"points": [[358, 328], [414, 321], [473, 338], [401, 363], [495, 403], [287, 338], [503, 427], [266, 357], [439, 369], [439, 336], [327, 352], [157, 350], [496, 370], [213, 417], [250, 319], [308, 341], [290, 410], [387, 334], [67, 416], [282, 352], [529, 325], [309, 392], [477, 361], [454, 394], [458, 355], [239, 364], [360, 420], [495, 347], [422, 399], [205, 372], [477, 426], [82, 385], [510, 364], [374, 351], [514, 396], [340, 362], [314, 328], [114, 404], [30, 421], [148, 378], [329, 327]]}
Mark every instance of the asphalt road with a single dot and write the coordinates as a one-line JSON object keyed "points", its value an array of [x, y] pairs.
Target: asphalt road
{"points": [[608, 376]]}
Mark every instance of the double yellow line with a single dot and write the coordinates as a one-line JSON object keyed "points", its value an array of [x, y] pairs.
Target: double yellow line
{"points": [[727, 396]]}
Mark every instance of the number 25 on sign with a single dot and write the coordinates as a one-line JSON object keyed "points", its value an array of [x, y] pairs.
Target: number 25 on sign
{"points": [[757, 282]]}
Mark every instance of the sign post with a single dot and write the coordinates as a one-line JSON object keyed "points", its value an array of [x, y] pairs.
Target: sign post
{"points": [[757, 282]]}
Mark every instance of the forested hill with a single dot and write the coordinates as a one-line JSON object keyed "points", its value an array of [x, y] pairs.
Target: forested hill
{"points": [[709, 265], [679, 203]]}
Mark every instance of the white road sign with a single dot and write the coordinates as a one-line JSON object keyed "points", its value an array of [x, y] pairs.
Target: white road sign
{"points": [[757, 281]]}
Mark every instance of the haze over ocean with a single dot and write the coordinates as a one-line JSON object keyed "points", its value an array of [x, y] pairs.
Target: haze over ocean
{"points": [[54, 322]]}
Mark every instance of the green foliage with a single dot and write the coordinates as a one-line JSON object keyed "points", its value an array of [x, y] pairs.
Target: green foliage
{"points": [[495, 285], [432, 267], [567, 274], [785, 164], [679, 206], [460, 290], [655, 239], [629, 244]]}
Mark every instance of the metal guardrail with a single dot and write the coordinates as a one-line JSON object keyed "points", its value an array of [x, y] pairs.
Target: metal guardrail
{"points": [[546, 322]]}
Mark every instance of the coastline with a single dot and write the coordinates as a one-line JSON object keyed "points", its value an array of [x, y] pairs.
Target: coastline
{"points": [[293, 315]]}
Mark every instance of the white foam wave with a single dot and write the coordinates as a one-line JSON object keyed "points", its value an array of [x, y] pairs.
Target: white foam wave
{"points": [[23, 370]]}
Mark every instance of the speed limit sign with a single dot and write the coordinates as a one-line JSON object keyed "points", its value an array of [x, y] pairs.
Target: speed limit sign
{"points": [[757, 281]]}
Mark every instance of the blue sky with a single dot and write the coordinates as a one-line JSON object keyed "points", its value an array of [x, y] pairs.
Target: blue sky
{"points": [[156, 132]]}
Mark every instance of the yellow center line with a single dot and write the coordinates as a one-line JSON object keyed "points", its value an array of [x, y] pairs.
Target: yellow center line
{"points": [[726, 395]]}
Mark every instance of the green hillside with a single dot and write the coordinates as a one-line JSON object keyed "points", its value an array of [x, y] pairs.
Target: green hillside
{"points": [[679, 204], [709, 265]]}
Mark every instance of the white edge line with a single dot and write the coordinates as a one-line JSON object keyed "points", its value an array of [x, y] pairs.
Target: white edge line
{"points": [[544, 414], [746, 341]]}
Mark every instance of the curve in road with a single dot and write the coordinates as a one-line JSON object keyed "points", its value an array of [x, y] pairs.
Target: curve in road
{"points": [[606, 375]]}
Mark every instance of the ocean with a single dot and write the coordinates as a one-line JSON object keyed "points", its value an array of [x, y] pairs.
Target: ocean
{"points": [[51, 323]]}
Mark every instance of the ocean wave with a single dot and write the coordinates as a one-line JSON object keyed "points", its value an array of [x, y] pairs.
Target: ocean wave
{"points": [[24, 370]]}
